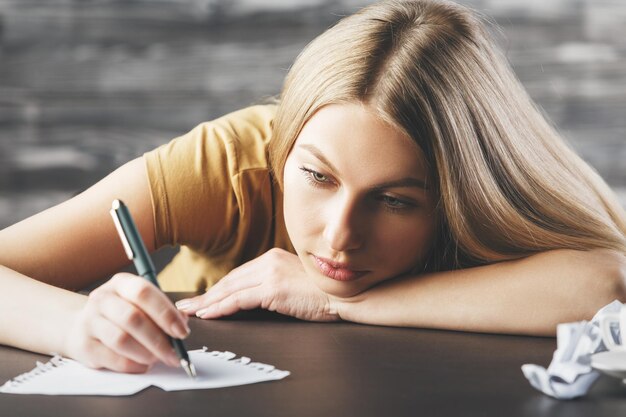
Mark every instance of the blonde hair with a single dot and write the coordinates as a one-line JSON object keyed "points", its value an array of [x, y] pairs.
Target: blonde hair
{"points": [[508, 185]]}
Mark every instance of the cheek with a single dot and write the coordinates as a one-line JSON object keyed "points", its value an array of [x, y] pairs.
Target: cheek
{"points": [[298, 206], [405, 245]]}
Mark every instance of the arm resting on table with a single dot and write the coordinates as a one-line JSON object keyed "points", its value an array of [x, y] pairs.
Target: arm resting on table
{"points": [[67, 247], [35, 314], [524, 296]]}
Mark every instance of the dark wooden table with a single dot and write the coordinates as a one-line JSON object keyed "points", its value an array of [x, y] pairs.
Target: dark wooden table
{"points": [[342, 369]]}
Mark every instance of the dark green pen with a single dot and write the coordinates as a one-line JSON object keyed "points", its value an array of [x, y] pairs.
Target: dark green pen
{"points": [[137, 252]]}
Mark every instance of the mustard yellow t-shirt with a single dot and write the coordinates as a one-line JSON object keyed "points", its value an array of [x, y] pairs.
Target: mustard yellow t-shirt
{"points": [[212, 193]]}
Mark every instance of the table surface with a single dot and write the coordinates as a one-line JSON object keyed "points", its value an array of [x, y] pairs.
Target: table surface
{"points": [[342, 369]]}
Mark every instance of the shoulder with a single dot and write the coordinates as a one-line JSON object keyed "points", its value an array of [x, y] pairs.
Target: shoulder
{"points": [[242, 136], [201, 182], [235, 141], [254, 122]]}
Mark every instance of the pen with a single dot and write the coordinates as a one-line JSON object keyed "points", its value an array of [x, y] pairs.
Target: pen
{"points": [[137, 252]]}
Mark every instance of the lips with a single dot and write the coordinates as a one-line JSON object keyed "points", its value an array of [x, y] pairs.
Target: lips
{"points": [[337, 271]]}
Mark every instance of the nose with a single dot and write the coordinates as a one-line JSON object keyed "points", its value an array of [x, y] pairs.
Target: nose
{"points": [[342, 231]]}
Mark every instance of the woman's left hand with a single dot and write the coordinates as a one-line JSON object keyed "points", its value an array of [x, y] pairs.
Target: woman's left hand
{"points": [[274, 281]]}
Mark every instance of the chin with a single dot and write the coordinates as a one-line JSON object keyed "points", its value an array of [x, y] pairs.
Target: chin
{"points": [[340, 289]]}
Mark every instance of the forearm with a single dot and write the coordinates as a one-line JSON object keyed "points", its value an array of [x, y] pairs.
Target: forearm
{"points": [[35, 315], [525, 296]]}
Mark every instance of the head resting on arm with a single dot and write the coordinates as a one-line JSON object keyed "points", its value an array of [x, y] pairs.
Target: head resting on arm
{"points": [[508, 185]]}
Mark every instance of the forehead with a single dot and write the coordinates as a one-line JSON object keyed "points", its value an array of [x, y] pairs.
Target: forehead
{"points": [[355, 140]]}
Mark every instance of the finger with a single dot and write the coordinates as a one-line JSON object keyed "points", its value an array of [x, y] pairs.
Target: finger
{"points": [[103, 357], [216, 295], [189, 305], [134, 322], [120, 341], [247, 299], [153, 302], [244, 277]]}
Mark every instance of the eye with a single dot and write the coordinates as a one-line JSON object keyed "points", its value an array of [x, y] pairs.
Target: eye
{"points": [[315, 178], [393, 201], [319, 177], [395, 204]]}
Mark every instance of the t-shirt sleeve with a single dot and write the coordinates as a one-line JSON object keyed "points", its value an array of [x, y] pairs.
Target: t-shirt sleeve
{"points": [[193, 179]]}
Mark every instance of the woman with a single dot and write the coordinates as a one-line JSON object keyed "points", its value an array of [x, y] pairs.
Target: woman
{"points": [[405, 178]]}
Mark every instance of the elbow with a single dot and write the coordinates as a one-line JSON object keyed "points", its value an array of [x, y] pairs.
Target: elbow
{"points": [[612, 276], [605, 283]]}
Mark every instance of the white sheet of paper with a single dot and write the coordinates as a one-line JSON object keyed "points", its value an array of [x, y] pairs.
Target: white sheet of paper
{"points": [[570, 374], [62, 376]]}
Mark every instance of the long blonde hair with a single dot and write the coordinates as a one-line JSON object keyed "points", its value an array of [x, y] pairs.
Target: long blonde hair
{"points": [[508, 185]]}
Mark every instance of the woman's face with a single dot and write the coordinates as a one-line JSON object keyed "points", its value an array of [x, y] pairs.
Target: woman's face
{"points": [[357, 204]]}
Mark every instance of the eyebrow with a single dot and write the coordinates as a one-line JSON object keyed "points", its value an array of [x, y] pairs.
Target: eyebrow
{"points": [[403, 182]]}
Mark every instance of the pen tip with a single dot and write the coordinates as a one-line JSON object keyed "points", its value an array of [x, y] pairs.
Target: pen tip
{"points": [[189, 368]]}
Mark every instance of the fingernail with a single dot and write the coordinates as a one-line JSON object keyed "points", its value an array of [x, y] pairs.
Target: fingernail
{"points": [[204, 311], [184, 304], [180, 330]]}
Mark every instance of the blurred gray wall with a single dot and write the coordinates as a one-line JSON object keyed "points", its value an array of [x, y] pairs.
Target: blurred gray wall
{"points": [[88, 85]]}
